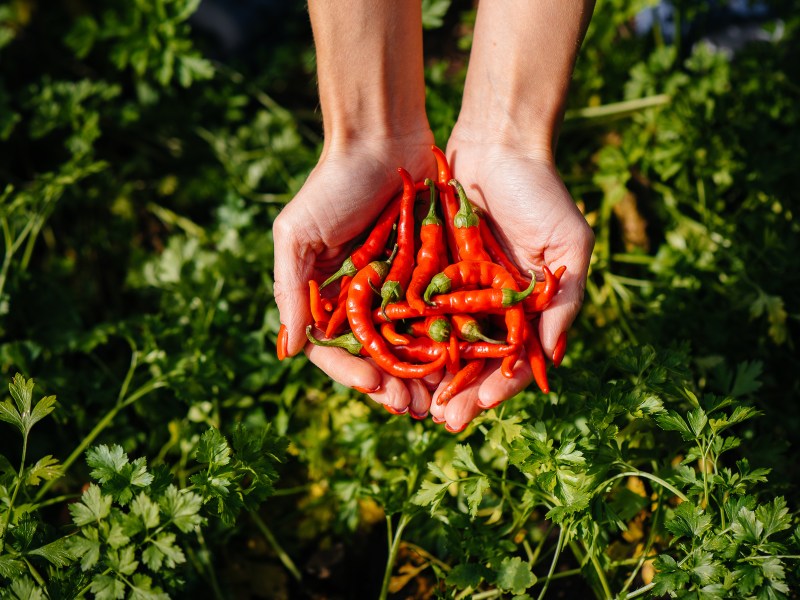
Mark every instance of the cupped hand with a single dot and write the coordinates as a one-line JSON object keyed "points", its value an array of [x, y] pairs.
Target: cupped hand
{"points": [[342, 197], [537, 222]]}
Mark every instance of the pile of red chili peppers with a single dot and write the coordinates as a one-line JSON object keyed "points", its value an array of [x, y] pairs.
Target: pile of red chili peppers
{"points": [[449, 295]]}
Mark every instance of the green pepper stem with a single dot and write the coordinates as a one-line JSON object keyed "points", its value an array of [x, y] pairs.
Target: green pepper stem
{"points": [[431, 218], [440, 284], [347, 268], [347, 341], [439, 330], [512, 297], [465, 217]]}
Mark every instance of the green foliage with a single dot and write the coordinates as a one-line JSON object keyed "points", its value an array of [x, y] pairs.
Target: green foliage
{"points": [[143, 169]]}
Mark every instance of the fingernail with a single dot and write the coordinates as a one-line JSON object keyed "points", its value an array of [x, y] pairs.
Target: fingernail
{"points": [[283, 342], [394, 411], [453, 430], [418, 416], [560, 349], [437, 420], [364, 390]]}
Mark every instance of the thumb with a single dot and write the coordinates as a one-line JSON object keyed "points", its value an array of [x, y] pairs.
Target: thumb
{"points": [[293, 269]]}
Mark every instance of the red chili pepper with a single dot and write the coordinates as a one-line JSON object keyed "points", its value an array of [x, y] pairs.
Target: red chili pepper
{"points": [[453, 354], [401, 310], [533, 348], [396, 281], [468, 329], [515, 324], [317, 305], [394, 338], [431, 252], [542, 299], [339, 316], [421, 350], [359, 314], [461, 380], [372, 247], [481, 301], [472, 350], [464, 273], [467, 228], [436, 328], [449, 204]]}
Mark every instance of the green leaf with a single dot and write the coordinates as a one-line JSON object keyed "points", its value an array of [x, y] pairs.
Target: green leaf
{"points": [[21, 390], [672, 421], [746, 381], [11, 568], [213, 448], [86, 546], [59, 552], [430, 494], [514, 575], [182, 507], [474, 489], [147, 510], [43, 408], [697, 421], [93, 507], [106, 462], [747, 528], [107, 587], [433, 12], [23, 588], [467, 575], [774, 517], [46, 468], [143, 589], [668, 578], [463, 459], [503, 431], [163, 550], [688, 521], [9, 414]]}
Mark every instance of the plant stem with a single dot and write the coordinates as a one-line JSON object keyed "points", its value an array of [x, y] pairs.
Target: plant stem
{"points": [[273, 541], [615, 109], [601, 575], [559, 546], [393, 549], [640, 591], [646, 475], [10, 514]]}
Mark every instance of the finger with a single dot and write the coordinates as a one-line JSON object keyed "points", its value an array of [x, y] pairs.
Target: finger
{"points": [[420, 399], [557, 318], [345, 368], [497, 388], [461, 409], [293, 268], [437, 410], [393, 393]]}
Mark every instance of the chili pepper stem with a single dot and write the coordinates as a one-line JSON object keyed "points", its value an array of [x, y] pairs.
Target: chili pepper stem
{"points": [[512, 297], [347, 341], [465, 217], [440, 284], [347, 268]]}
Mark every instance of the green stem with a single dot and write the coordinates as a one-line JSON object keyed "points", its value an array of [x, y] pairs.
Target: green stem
{"points": [[10, 513], [405, 519], [641, 591], [556, 555], [648, 545], [646, 475], [273, 541], [601, 575], [615, 109]]}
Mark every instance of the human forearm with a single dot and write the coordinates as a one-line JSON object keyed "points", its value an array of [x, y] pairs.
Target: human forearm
{"points": [[521, 63], [369, 68]]}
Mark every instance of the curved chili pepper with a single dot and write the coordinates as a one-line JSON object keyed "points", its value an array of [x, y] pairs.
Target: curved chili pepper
{"points": [[347, 342], [421, 350], [449, 204], [533, 348], [479, 301], [453, 354], [401, 310], [461, 380], [469, 330], [515, 324], [394, 338], [467, 228], [339, 316], [431, 252], [472, 350], [479, 273], [359, 314], [317, 305], [543, 298], [372, 246], [435, 327], [400, 274]]}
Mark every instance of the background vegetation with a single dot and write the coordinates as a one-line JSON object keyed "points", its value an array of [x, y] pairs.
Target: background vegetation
{"points": [[163, 451]]}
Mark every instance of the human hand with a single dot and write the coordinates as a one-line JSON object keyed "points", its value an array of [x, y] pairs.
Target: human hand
{"points": [[537, 222], [344, 194]]}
